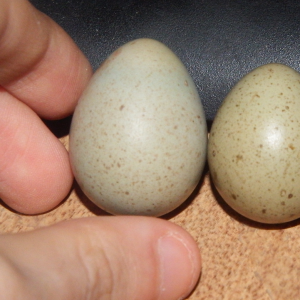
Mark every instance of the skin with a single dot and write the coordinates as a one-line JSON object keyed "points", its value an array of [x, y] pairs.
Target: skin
{"points": [[91, 258]]}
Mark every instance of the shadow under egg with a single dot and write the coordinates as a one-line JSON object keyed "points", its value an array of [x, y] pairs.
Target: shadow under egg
{"points": [[91, 206]]}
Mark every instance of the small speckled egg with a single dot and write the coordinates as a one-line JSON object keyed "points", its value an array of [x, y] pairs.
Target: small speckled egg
{"points": [[254, 145], [138, 137]]}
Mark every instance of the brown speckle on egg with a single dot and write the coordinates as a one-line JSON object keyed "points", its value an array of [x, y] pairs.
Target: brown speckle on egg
{"points": [[258, 127], [137, 124]]}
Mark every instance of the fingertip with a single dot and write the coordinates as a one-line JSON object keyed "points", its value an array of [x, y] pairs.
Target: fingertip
{"points": [[35, 173], [40, 191], [180, 265], [163, 250], [43, 186]]}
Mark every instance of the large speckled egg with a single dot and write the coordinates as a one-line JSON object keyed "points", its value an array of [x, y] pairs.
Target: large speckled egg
{"points": [[254, 145], [138, 136]]}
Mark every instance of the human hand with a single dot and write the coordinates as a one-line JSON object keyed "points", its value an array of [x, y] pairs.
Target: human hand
{"points": [[42, 74]]}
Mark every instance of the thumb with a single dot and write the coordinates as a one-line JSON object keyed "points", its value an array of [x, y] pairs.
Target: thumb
{"points": [[100, 258]]}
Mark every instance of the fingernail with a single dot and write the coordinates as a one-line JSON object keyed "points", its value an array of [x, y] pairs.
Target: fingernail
{"points": [[178, 267]]}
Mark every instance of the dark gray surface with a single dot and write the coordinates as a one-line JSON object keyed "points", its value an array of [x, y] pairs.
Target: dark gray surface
{"points": [[218, 41]]}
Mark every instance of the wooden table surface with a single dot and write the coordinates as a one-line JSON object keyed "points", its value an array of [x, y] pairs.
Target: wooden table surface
{"points": [[241, 259]]}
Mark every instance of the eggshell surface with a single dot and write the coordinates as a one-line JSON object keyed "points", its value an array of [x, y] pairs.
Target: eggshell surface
{"points": [[254, 145], [138, 137]]}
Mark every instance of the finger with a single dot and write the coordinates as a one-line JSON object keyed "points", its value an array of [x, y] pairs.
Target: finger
{"points": [[100, 258], [35, 173], [40, 64]]}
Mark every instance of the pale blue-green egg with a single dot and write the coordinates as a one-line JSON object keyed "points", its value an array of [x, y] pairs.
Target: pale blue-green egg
{"points": [[138, 137]]}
